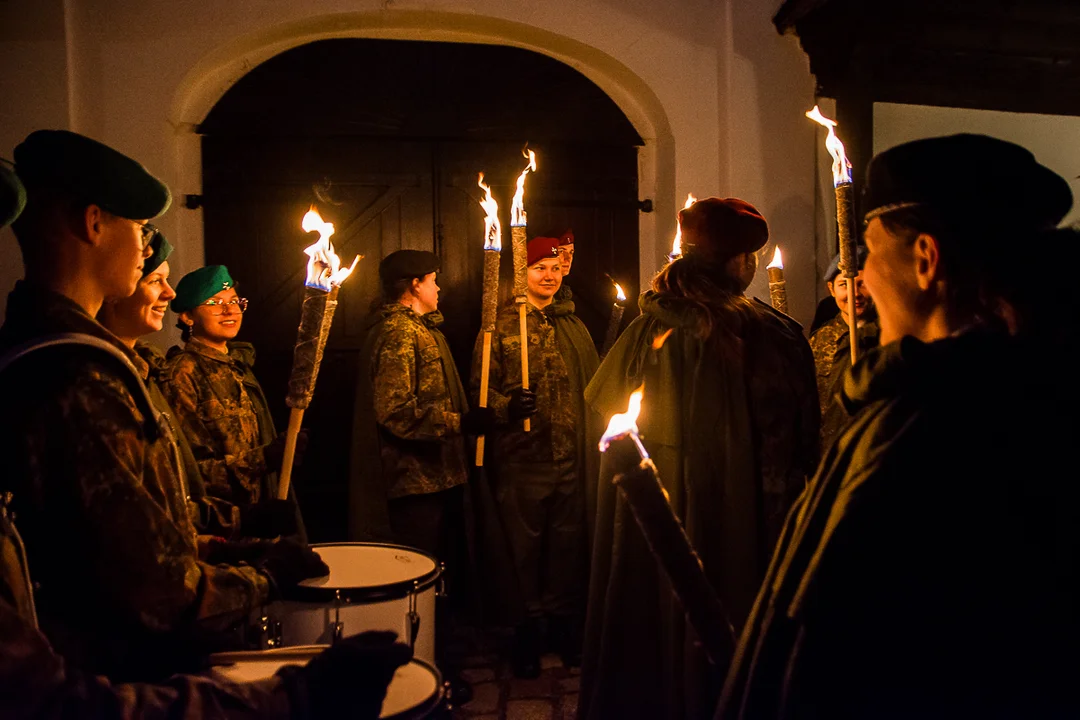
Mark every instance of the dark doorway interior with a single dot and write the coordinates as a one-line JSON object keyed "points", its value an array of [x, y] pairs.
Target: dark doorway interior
{"points": [[386, 138]]}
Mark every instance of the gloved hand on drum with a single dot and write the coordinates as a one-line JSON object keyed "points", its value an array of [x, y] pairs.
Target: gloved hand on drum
{"points": [[522, 404], [268, 518], [347, 680], [287, 562]]}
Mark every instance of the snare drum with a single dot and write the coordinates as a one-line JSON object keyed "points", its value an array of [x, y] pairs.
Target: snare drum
{"points": [[415, 691], [371, 586]]}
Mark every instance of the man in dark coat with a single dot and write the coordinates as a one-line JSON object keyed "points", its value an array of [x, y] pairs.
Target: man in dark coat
{"points": [[930, 569], [730, 417], [539, 476]]}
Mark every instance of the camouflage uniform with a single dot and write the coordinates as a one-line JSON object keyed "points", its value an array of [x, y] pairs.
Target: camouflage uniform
{"points": [[102, 508], [832, 356], [35, 682], [210, 515], [224, 416], [422, 450], [539, 474]]}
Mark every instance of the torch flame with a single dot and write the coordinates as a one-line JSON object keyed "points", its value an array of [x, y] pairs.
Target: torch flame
{"points": [[324, 266], [676, 244], [622, 424], [841, 168], [492, 227], [517, 208], [777, 260], [619, 294]]}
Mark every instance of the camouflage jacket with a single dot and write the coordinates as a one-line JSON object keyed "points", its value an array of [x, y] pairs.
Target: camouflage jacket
{"points": [[562, 360], [832, 356], [210, 515], [101, 505], [224, 416], [417, 401]]}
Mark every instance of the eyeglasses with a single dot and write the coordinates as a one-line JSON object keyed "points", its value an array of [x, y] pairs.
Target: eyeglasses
{"points": [[148, 233], [217, 307]]}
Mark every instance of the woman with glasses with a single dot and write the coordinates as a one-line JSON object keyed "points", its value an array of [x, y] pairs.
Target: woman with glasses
{"points": [[220, 405]]}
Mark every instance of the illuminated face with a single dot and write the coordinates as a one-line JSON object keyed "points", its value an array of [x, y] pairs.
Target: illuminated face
{"points": [[566, 255], [143, 312], [123, 251], [891, 281], [427, 293], [839, 289], [545, 278], [219, 322]]}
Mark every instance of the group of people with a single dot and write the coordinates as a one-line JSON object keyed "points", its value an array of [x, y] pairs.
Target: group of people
{"points": [[892, 538]]}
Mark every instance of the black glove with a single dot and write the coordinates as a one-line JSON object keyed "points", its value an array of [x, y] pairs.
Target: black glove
{"points": [[348, 679], [268, 519], [287, 562], [477, 421], [522, 404]]}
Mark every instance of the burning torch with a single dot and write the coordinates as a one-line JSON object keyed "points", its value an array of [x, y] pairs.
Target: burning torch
{"points": [[324, 278], [777, 284], [649, 504], [519, 238], [615, 320], [490, 303], [676, 244], [845, 217]]}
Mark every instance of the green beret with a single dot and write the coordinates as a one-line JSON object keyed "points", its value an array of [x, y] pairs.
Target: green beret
{"points": [[408, 264], [160, 251], [200, 285], [968, 180], [12, 196], [92, 172]]}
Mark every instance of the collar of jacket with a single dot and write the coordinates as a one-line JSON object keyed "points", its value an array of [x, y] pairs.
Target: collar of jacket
{"points": [[432, 320], [668, 309], [33, 311], [560, 307], [241, 354]]}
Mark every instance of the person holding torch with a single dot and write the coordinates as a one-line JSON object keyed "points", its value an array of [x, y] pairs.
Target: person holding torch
{"points": [[538, 476], [730, 416]]}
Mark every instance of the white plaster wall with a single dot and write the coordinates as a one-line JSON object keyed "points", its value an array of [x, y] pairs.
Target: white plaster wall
{"points": [[716, 93], [1053, 139]]}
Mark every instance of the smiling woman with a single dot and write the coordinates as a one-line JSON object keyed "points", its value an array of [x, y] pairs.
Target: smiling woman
{"points": [[220, 405]]}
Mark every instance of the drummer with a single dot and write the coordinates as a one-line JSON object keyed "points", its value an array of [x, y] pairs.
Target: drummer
{"points": [[224, 414]]}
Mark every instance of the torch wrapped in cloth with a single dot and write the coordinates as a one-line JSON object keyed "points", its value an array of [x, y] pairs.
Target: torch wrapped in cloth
{"points": [[615, 321], [520, 240], [324, 278], [490, 304], [845, 217], [649, 504], [777, 284]]}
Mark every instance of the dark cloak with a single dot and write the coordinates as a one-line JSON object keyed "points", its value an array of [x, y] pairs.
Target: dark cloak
{"points": [[731, 422], [930, 569]]}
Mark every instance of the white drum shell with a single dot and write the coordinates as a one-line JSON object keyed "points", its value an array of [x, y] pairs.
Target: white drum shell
{"points": [[312, 623]]}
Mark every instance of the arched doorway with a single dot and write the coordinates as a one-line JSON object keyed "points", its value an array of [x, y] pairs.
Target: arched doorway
{"points": [[387, 137]]}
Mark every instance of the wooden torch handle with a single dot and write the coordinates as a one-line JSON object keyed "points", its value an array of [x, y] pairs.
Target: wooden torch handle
{"points": [[296, 415], [485, 367], [524, 355]]}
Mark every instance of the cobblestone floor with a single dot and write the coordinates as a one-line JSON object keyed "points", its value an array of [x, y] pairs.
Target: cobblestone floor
{"points": [[498, 695]]}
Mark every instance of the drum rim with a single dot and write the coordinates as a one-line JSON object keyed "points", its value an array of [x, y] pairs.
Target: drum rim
{"points": [[428, 704], [369, 595]]}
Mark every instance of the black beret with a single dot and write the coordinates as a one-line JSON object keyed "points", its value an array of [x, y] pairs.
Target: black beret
{"points": [[408, 264], [834, 264], [967, 180], [12, 196], [92, 172], [160, 250]]}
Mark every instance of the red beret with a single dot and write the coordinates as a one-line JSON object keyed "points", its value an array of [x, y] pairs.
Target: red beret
{"points": [[542, 248], [567, 238], [717, 229]]}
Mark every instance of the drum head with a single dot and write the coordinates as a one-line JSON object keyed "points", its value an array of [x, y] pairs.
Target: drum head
{"points": [[364, 565], [414, 690]]}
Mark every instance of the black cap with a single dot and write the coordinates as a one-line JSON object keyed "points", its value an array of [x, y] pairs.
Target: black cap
{"points": [[408, 264], [967, 180], [834, 264], [12, 195], [92, 172]]}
